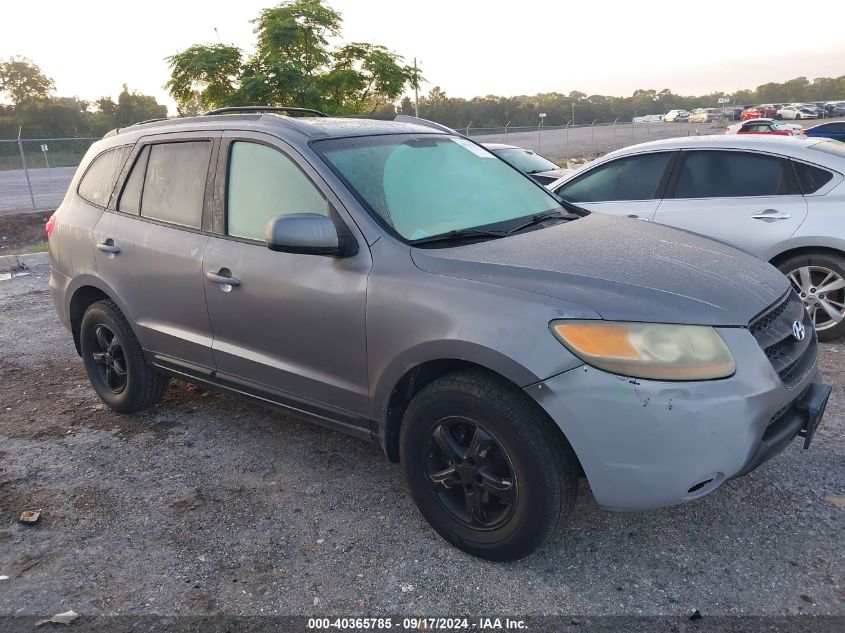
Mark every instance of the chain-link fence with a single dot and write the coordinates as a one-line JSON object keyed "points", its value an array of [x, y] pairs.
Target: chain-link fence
{"points": [[565, 142], [35, 173]]}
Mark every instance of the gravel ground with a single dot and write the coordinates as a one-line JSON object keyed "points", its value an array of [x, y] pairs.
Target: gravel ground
{"points": [[207, 505]]}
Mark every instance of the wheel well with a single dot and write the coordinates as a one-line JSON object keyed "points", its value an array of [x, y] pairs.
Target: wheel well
{"points": [[415, 379], [82, 298], [777, 260]]}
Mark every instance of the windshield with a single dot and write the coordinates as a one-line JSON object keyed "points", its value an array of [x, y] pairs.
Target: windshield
{"points": [[423, 184], [525, 160]]}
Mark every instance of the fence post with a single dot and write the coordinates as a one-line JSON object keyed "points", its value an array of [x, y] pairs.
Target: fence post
{"points": [[567, 137], [506, 132], [25, 170], [468, 126]]}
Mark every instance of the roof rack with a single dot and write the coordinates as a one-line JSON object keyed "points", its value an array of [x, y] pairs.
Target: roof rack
{"points": [[231, 109]]}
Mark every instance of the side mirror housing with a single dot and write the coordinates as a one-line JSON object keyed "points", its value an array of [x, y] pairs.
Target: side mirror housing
{"points": [[308, 234]]}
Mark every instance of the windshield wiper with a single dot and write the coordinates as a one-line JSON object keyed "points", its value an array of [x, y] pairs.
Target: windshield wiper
{"points": [[538, 218], [458, 235]]}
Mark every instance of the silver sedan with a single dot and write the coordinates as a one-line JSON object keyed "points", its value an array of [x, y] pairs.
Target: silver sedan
{"points": [[780, 198]]}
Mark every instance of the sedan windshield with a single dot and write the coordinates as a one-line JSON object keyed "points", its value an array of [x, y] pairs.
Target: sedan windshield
{"points": [[525, 160], [423, 185]]}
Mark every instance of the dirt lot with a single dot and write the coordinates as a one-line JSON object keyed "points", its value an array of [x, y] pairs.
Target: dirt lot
{"points": [[206, 505], [22, 233]]}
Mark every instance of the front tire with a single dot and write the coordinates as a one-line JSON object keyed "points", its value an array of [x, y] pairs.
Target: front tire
{"points": [[485, 466], [819, 279], [115, 362]]}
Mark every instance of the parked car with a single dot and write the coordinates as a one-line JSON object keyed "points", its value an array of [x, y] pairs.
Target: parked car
{"points": [[796, 112], [676, 116], [778, 198], [765, 126], [758, 112], [705, 115], [397, 281], [833, 129], [539, 168], [835, 108]]}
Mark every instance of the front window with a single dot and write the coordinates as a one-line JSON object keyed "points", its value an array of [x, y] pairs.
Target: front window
{"points": [[525, 160], [427, 185]]}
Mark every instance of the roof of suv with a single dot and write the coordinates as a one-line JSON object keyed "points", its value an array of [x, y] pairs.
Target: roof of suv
{"points": [[311, 127]]}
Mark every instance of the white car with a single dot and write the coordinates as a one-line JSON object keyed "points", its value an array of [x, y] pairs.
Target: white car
{"points": [[676, 116], [780, 198], [797, 112]]}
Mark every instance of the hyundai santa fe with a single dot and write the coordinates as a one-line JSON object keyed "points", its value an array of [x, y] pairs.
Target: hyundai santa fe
{"points": [[399, 282]]}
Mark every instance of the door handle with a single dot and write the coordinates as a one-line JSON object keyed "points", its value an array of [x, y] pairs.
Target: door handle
{"points": [[108, 247], [636, 217], [772, 214], [223, 277]]}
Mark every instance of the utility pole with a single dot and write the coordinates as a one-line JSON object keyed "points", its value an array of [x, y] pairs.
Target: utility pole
{"points": [[416, 91], [573, 113]]}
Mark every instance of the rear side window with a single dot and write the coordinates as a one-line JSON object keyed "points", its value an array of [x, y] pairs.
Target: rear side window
{"points": [[715, 174], [811, 179], [97, 183], [632, 178], [174, 182], [263, 184]]}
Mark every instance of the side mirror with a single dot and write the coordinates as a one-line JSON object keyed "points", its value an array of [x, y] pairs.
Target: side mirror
{"points": [[308, 234]]}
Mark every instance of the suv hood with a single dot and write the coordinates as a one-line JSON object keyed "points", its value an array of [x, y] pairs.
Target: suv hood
{"points": [[621, 269]]}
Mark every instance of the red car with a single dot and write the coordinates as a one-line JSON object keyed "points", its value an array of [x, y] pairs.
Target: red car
{"points": [[764, 126], [758, 112]]}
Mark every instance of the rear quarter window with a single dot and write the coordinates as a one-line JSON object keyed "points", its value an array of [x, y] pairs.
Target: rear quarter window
{"points": [[99, 179], [810, 178]]}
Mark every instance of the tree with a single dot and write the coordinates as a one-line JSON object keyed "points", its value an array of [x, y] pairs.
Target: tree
{"points": [[293, 64], [212, 71], [23, 81]]}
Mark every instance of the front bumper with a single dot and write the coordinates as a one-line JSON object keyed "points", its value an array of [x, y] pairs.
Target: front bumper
{"points": [[646, 444]]}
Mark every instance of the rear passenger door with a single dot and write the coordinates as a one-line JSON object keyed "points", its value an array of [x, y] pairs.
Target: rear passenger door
{"points": [[292, 329], [149, 247], [749, 199], [630, 186]]}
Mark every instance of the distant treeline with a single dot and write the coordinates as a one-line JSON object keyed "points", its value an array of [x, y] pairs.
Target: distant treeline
{"points": [[42, 115], [494, 111]]}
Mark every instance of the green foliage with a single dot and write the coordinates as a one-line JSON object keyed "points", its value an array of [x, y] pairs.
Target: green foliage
{"points": [[52, 117], [294, 64], [216, 68], [22, 81]]}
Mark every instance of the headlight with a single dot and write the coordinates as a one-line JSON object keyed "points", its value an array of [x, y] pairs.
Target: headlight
{"points": [[648, 350]]}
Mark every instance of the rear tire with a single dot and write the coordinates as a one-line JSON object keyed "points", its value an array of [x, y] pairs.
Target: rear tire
{"points": [[506, 477], [812, 276], [115, 362]]}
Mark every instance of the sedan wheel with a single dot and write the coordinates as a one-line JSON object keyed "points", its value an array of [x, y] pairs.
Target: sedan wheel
{"points": [[823, 292]]}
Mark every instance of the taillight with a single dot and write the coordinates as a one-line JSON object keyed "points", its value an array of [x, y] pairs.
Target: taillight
{"points": [[51, 224]]}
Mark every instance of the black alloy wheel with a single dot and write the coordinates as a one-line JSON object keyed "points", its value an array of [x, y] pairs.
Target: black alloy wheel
{"points": [[470, 473], [109, 358]]}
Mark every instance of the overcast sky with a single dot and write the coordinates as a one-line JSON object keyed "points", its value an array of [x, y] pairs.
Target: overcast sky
{"points": [[468, 47]]}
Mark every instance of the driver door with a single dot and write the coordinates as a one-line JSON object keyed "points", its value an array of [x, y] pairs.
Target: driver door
{"points": [[631, 186]]}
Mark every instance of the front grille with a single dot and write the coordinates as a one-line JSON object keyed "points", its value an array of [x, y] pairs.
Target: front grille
{"points": [[791, 359]]}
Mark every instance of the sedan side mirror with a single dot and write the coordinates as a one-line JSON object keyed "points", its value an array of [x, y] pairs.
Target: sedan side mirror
{"points": [[308, 234]]}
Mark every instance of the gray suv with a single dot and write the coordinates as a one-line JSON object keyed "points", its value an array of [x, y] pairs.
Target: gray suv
{"points": [[396, 281]]}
